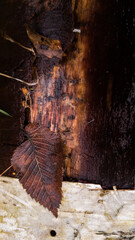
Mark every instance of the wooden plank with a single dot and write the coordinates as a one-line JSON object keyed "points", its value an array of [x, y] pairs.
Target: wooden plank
{"points": [[87, 212]]}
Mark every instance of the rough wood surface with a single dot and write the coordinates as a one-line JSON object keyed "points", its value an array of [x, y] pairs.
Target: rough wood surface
{"points": [[87, 212], [81, 53]]}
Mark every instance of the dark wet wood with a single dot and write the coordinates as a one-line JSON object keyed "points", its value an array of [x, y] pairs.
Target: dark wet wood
{"points": [[85, 89], [17, 62], [108, 138]]}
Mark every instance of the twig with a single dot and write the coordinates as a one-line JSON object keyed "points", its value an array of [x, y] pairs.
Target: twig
{"points": [[91, 121], [6, 37], [6, 170], [19, 80]]}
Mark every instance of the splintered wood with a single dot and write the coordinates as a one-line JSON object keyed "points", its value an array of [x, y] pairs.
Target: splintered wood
{"points": [[87, 212]]}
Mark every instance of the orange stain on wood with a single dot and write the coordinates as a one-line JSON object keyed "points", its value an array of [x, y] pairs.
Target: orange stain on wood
{"points": [[61, 104]]}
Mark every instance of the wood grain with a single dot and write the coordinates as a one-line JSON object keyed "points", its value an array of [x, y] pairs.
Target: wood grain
{"points": [[87, 212], [85, 89]]}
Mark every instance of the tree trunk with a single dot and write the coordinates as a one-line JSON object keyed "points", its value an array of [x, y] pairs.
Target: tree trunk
{"points": [[80, 53]]}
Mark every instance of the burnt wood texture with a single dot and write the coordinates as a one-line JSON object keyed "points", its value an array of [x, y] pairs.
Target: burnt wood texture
{"points": [[84, 83]]}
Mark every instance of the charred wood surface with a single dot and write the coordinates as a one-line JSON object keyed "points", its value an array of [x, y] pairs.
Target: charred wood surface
{"points": [[85, 89]]}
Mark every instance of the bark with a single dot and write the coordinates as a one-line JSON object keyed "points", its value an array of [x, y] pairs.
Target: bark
{"points": [[85, 87]]}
